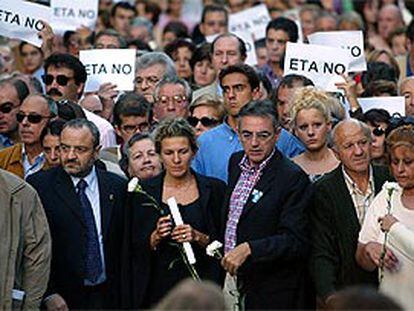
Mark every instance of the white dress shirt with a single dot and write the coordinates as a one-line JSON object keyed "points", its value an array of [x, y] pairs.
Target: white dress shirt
{"points": [[106, 130]]}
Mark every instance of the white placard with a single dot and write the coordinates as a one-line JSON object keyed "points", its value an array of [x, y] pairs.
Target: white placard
{"points": [[172, 204], [22, 20], [251, 51], [109, 65], [253, 20], [351, 41], [71, 15], [323, 65], [393, 104]]}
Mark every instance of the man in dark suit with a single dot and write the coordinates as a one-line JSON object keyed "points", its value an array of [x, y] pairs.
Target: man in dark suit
{"points": [[340, 202], [84, 207], [266, 227]]}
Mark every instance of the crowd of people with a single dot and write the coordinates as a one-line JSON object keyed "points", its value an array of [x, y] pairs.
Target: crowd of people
{"points": [[288, 196]]}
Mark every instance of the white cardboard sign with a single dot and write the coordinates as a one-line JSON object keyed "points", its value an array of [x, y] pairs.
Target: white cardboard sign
{"points": [[109, 65], [71, 15], [393, 104], [351, 41], [22, 20], [323, 65], [253, 20]]}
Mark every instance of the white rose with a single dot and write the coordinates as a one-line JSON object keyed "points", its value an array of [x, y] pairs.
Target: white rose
{"points": [[213, 247], [390, 186], [132, 185]]}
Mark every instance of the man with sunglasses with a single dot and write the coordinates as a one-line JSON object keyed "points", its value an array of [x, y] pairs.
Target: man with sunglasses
{"points": [[26, 158], [65, 78], [12, 93]]}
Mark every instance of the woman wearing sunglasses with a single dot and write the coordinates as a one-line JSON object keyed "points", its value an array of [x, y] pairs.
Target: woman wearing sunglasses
{"points": [[206, 112], [378, 121]]}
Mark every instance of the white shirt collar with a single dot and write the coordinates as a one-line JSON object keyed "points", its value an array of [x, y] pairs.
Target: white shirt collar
{"points": [[90, 179]]}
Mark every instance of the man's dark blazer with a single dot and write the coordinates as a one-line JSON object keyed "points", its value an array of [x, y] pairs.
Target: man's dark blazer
{"points": [[335, 230], [142, 221], [68, 231], [276, 228]]}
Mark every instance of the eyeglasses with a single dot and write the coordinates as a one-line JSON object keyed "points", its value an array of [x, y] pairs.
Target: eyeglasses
{"points": [[260, 136], [33, 118], [177, 100], [7, 107], [152, 80], [142, 127], [62, 80], [205, 121], [378, 131]]}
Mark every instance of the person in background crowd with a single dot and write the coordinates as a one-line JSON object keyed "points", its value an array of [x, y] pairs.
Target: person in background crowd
{"points": [[122, 14], [50, 140], [65, 78], [203, 70], [143, 160], [87, 204], [141, 29], [340, 203], [350, 21], [151, 231], [92, 103], [12, 94], [72, 42], [326, 22], [149, 70], [278, 32], [32, 58], [264, 185], [25, 247], [236, 6], [398, 42], [172, 97], [214, 21], [407, 90], [283, 96], [389, 19], [173, 31], [384, 56], [312, 124], [308, 15], [27, 157], [206, 112], [261, 52], [9, 60], [181, 51], [109, 39]]}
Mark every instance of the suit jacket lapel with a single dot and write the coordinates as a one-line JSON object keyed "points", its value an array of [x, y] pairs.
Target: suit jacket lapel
{"points": [[65, 189], [106, 201]]}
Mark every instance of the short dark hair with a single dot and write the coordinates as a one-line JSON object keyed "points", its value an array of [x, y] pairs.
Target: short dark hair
{"points": [[260, 108], [242, 45], [68, 110], [265, 81], [201, 53], [376, 116], [123, 5], [378, 71], [111, 33], [286, 25], [243, 69], [178, 28], [171, 48], [292, 79], [53, 128], [64, 60], [23, 43], [131, 104], [66, 37], [214, 8], [81, 123], [378, 87]]}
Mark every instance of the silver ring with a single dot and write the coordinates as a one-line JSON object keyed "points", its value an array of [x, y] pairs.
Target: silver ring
{"points": [[184, 236]]}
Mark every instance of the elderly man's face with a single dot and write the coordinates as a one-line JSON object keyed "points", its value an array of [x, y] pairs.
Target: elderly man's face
{"points": [[352, 148], [226, 53], [107, 42], [388, 20], [407, 90], [171, 102], [9, 106], [146, 79]]}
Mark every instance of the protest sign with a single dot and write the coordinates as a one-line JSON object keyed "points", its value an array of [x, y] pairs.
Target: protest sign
{"points": [[70, 15], [351, 41], [323, 65], [23, 20], [109, 65], [253, 20], [393, 104]]}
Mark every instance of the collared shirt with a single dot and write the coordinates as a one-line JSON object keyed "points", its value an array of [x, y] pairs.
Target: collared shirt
{"points": [[37, 165], [5, 141], [249, 176], [92, 192], [273, 78], [218, 144], [360, 199]]}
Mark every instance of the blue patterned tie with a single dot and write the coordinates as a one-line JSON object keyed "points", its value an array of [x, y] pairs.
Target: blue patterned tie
{"points": [[93, 260]]}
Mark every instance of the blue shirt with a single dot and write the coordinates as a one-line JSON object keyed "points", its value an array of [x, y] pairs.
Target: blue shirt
{"points": [[218, 144], [5, 141]]}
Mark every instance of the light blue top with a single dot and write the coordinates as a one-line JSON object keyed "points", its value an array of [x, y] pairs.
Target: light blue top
{"points": [[218, 144]]}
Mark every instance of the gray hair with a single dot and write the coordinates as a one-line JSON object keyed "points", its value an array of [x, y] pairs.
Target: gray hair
{"points": [[153, 58], [174, 80], [136, 138], [83, 123], [112, 33], [260, 108], [141, 21], [333, 139], [51, 104]]}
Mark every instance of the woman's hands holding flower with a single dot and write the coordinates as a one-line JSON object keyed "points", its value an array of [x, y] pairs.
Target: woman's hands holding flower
{"points": [[386, 222]]}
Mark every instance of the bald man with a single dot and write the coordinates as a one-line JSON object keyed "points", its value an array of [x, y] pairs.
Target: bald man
{"points": [[340, 202], [389, 19]]}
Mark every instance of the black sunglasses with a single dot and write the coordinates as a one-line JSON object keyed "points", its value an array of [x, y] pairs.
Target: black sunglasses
{"points": [[205, 121], [7, 107], [32, 117], [62, 80], [378, 131]]}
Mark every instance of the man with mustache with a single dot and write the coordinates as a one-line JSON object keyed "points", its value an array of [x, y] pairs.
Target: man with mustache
{"points": [[65, 78], [340, 203], [84, 207], [26, 158]]}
